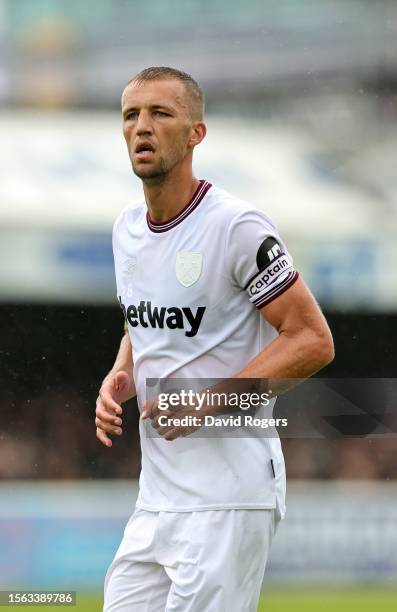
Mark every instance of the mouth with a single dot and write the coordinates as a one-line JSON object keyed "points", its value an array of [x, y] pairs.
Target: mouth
{"points": [[144, 150]]}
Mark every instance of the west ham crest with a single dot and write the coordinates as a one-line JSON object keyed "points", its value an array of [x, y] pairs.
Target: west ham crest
{"points": [[188, 267]]}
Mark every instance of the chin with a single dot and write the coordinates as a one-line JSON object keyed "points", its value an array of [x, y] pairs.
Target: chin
{"points": [[149, 173]]}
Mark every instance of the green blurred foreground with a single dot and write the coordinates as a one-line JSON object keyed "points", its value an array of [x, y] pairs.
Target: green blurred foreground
{"points": [[364, 600]]}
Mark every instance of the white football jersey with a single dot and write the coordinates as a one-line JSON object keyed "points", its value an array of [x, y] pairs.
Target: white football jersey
{"points": [[191, 290]]}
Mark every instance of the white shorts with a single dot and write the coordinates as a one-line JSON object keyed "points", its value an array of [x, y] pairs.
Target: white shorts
{"points": [[210, 561]]}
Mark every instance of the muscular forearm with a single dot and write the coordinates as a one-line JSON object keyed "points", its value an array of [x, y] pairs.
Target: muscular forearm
{"points": [[290, 358], [283, 364]]}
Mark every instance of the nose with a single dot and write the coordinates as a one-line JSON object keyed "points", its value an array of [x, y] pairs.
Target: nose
{"points": [[143, 123]]}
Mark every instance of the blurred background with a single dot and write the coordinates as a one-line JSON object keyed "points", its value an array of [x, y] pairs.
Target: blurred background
{"points": [[301, 112]]}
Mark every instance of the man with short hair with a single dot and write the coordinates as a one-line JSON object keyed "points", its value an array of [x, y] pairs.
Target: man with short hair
{"points": [[208, 289]]}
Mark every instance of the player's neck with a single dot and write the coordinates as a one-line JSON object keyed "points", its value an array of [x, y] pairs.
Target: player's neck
{"points": [[167, 199]]}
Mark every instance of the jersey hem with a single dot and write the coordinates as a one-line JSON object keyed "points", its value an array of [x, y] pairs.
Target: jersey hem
{"points": [[254, 506]]}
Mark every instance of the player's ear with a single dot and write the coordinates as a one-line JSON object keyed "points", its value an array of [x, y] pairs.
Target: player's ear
{"points": [[198, 132]]}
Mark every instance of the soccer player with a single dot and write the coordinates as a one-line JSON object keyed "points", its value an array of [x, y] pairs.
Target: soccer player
{"points": [[208, 289]]}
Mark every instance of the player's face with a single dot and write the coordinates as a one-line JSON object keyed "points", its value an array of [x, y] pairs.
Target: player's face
{"points": [[157, 127]]}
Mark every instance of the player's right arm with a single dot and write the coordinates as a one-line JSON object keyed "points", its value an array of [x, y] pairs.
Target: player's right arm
{"points": [[117, 387]]}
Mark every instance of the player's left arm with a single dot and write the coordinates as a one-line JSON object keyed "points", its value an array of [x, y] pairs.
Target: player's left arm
{"points": [[260, 264], [304, 343], [303, 346]]}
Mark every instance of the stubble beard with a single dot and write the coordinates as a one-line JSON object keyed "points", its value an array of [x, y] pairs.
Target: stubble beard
{"points": [[158, 173]]}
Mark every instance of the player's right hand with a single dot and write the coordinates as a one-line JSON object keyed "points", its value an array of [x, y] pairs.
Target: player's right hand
{"points": [[113, 392]]}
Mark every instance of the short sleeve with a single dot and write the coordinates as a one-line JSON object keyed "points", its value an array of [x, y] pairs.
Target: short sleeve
{"points": [[259, 260]]}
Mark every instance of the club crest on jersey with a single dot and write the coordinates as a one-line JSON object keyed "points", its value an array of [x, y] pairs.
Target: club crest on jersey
{"points": [[188, 267]]}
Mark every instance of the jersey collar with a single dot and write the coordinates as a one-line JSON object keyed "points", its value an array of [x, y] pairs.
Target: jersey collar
{"points": [[198, 195]]}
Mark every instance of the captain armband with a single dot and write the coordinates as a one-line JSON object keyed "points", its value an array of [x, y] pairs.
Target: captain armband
{"points": [[275, 273]]}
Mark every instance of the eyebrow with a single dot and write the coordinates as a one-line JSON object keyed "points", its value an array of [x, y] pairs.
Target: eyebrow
{"points": [[151, 107]]}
